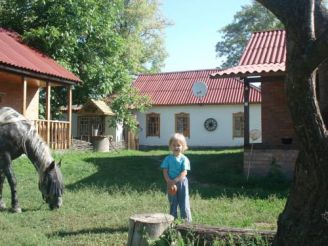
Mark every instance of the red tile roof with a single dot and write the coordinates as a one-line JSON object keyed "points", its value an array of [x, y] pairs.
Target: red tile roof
{"points": [[265, 53], [175, 88], [15, 54]]}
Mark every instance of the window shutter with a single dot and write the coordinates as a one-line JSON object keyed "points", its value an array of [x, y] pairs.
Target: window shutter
{"points": [[238, 125]]}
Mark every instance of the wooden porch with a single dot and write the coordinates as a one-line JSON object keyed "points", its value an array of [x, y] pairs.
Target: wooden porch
{"points": [[24, 71], [22, 93], [55, 133]]}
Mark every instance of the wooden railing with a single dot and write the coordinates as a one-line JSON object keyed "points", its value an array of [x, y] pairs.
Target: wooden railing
{"points": [[54, 133]]}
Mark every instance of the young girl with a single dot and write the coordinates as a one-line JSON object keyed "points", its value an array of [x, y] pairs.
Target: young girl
{"points": [[175, 167]]}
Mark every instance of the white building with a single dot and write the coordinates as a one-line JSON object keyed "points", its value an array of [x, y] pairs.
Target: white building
{"points": [[215, 120]]}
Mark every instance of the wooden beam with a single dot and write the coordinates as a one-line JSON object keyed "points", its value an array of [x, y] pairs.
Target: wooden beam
{"points": [[24, 96], [48, 110], [69, 114]]}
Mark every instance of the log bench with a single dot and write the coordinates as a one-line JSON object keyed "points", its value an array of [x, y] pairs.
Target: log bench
{"points": [[145, 227], [204, 233]]}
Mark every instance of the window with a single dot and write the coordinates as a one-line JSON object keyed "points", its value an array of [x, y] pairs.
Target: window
{"points": [[238, 125], [153, 125], [182, 124], [87, 124]]}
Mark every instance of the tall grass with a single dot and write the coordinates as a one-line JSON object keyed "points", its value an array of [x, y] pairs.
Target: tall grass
{"points": [[104, 189]]}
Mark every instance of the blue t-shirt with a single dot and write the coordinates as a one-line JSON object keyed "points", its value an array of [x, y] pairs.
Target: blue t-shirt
{"points": [[175, 165]]}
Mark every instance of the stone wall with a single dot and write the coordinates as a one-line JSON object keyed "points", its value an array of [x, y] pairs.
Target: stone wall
{"points": [[82, 145]]}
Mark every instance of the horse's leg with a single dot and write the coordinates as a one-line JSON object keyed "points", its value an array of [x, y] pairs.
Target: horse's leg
{"points": [[12, 182], [2, 179]]}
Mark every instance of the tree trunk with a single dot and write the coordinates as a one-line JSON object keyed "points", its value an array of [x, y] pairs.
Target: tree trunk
{"points": [[304, 220], [145, 227], [323, 90]]}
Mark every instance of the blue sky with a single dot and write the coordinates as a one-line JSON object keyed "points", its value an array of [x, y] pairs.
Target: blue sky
{"points": [[190, 41]]}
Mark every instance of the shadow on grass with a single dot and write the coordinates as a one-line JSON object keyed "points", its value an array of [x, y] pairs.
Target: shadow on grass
{"points": [[213, 174], [138, 173], [62, 233]]}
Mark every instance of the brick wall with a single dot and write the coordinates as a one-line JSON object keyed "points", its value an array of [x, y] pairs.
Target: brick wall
{"points": [[261, 162], [276, 120]]}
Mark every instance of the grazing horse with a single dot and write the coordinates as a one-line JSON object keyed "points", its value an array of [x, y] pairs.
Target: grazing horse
{"points": [[18, 136]]}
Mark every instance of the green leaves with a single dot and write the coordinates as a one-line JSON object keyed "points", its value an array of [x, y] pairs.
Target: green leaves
{"points": [[127, 103], [104, 42]]}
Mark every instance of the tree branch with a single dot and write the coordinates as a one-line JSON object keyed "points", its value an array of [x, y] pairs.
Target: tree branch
{"points": [[321, 17], [317, 51]]}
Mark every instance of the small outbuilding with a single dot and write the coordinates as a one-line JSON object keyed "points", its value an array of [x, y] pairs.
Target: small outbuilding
{"points": [[264, 61], [95, 118]]}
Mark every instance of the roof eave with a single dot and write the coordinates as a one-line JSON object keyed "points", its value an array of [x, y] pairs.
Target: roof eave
{"points": [[37, 75], [244, 75]]}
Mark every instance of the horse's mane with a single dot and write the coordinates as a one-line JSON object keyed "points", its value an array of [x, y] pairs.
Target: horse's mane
{"points": [[39, 153], [36, 149]]}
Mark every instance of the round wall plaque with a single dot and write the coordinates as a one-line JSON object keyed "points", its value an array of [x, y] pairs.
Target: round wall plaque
{"points": [[210, 124]]}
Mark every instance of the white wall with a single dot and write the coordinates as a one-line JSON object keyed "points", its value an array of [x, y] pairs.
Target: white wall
{"points": [[119, 132], [116, 132], [199, 136]]}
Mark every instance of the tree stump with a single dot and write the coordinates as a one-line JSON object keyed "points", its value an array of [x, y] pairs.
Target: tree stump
{"points": [[147, 226]]}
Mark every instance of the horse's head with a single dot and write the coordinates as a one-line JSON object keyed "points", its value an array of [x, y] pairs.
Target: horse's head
{"points": [[51, 185]]}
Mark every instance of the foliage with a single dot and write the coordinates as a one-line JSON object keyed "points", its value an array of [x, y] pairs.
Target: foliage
{"points": [[104, 42], [249, 19], [142, 29], [102, 190], [81, 35], [126, 104]]}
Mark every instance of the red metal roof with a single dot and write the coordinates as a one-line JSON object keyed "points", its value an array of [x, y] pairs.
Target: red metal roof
{"points": [[14, 53], [175, 88], [264, 53]]}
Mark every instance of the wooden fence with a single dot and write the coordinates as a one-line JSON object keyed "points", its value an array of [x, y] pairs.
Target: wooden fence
{"points": [[54, 133]]}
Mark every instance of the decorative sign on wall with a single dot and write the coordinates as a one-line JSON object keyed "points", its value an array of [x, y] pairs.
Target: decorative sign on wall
{"points": [[210, 124]]}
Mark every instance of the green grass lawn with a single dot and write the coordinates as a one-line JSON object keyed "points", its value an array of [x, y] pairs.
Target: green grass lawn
{"points": [[104, 189]]}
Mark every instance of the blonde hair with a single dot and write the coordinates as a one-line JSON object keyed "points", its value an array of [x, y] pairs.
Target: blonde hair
{"points": [[179, 138]]}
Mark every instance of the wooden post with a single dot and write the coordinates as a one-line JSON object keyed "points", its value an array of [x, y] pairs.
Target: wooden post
{"points": [[69, 114], [147, 226], [48, 111], [24, 96], [246, 112]]}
